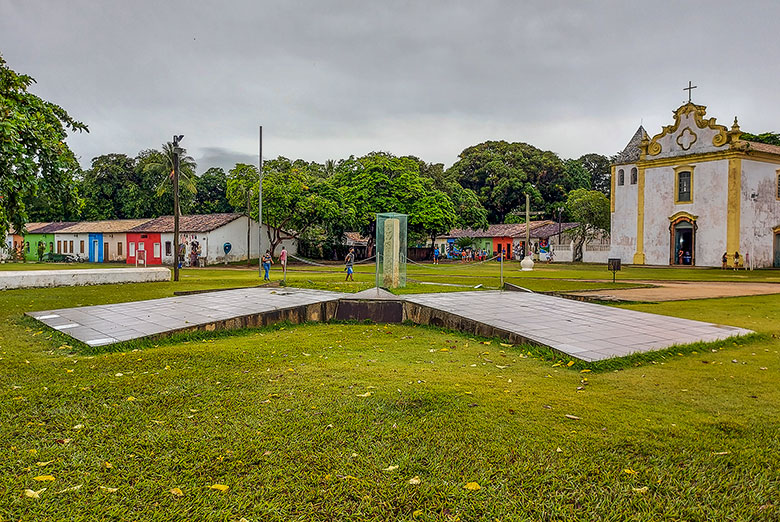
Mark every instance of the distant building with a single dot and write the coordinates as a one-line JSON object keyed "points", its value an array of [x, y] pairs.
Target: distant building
{"points": [[694, 191]]}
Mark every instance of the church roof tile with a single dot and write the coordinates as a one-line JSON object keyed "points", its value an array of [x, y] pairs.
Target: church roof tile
{"points": [[631, 153]]}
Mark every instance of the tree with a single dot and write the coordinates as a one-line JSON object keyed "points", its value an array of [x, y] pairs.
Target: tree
{"points": [[241, 180], [161, 166], [590, 209], [433, 214], [770, 138], [295, 200], [501, 173], [106, 187], [34, 159], [211, 196], [600, 169]]}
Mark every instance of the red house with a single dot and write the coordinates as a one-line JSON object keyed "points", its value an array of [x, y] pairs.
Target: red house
{"points": [[148, 242]]}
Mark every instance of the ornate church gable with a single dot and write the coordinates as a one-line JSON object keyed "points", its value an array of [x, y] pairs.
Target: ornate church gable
{"points": [[691, 133]]}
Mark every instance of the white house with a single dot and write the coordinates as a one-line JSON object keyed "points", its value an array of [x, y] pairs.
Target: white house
{"points": [[211, 233], [693, 192]]}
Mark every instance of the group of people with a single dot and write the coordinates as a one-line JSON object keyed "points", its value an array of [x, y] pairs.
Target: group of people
{"points": [[737, 261], [267, 260], [465, 255]]}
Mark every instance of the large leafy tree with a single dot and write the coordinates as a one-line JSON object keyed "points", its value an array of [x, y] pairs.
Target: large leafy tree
{"points": [[599, 168], [590, 209], [107, 187], [35, 162], [501, 173], [297, 199], [433, 215], [241, 181], [211, 196]]}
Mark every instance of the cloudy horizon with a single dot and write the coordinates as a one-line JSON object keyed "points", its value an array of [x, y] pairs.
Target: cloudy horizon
{"points": [[330, 79]]}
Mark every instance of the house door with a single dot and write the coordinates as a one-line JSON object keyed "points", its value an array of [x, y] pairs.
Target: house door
{"points": [[105, 252], [776, 264], [682, 248]]}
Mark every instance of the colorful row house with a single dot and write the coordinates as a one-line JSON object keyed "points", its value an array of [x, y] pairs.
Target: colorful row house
{"points": [[97, 241]]}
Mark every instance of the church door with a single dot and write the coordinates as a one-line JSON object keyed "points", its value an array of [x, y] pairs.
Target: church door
{"points": [[682, 248]]}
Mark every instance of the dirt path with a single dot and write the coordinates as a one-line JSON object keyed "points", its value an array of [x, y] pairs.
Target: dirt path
{"points": [[681, 290]]}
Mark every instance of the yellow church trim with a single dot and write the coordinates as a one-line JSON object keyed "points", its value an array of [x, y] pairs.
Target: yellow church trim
{"points": [[677, 171], [699, 111], [682, 214], [733, 206], [612, 190], [639, 256]]}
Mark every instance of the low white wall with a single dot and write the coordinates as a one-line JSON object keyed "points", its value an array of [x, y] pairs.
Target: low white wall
{"points": [[98, 276]]}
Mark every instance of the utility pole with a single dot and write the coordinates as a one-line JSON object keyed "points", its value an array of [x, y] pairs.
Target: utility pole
{"points": [[176, 151], [259, 205], [527, 263]]}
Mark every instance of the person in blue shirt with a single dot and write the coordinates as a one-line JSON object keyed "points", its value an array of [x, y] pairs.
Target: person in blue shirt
{"points": [[436, 256]]}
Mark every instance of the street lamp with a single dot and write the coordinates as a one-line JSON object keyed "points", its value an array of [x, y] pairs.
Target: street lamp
{"points": [[176, 152]]}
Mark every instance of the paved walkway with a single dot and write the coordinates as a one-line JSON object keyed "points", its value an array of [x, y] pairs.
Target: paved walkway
{"points": [[587, 331], [682, 290], [113, 323]]}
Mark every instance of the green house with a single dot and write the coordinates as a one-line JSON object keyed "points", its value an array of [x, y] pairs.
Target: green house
{"points": [[41, 233]]}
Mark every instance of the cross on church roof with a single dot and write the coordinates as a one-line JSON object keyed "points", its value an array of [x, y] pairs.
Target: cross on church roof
{"points": [[689, 89]]}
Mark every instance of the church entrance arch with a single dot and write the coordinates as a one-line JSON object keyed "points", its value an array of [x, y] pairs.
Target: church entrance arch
{"points": [[682, 239]]}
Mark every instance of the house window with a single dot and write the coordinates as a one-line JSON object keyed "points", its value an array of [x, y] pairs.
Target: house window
{"points": [[119, 248], [51, 246], [156, 250], [59, 247], [131, 249], [27, 246], [683, 178], [81, 246], [168, 249], [70, 246], [621, 177], [634, 176]]}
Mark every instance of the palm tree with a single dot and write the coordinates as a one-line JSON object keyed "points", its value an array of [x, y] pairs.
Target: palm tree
{"points": [[164, 168]]}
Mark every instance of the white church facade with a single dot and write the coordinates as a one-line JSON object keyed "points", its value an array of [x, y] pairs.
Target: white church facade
{"points": [[693, 192]]}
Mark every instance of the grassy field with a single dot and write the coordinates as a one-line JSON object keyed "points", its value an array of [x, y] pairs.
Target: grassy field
{"points": [[381, 422]]}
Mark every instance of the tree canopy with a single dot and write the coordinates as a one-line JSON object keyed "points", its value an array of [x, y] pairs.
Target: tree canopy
{"points": [[35, 161], [590, 209]]}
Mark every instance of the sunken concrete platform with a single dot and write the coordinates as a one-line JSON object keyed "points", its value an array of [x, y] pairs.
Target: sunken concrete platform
{"points": [[10, 280], [587, 331]]}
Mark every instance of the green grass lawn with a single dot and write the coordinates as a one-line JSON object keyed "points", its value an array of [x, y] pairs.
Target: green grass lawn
{"points": [[340, 422]]}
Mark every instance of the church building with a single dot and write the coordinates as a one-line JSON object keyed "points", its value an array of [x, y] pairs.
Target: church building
{"points": [[693, 192]]}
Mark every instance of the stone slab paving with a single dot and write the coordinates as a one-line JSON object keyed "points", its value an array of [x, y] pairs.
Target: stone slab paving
{"points": [[108, 324], [587, 331]]}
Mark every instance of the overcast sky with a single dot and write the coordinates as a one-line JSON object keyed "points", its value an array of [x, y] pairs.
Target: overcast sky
{"points": [[327, 79]]}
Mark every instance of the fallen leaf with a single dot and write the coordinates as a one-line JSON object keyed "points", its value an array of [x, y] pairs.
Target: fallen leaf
{"points": [[630, 471], [219, 487], [506, 345], [74, 488], [42, 464], [131, 398], [67, 370], [78, 426], [570, 363], [417, 513], [558, 450], [108, 465], [390, 468], [472, 486], [643, 489], [414, 481], [109, 490], [44, 478], [572, 417], [120, 374], [33, 494], [177, 492], [721, 452], [584, 371], [367, 394]]}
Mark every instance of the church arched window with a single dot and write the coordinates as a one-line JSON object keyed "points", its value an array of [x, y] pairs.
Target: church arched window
{"points": [[634, 176], [621, 177]]}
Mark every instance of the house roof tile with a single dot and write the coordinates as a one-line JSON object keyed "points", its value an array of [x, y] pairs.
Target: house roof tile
{"points": [[194, 223], [113, 226]]}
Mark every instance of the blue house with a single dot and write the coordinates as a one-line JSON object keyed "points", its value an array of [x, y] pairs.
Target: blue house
{"points": [[95, 247]]}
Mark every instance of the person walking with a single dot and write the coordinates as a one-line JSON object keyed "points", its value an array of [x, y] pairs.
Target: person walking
{"points": [[267, 261], [283, 261], [436, 254], [724, 260], [348, 262], [736, 260]]}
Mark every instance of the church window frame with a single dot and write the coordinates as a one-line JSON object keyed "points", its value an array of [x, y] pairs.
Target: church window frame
{"points": [[634, 176], [777, 184], [679, 172], [621, 178]]}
